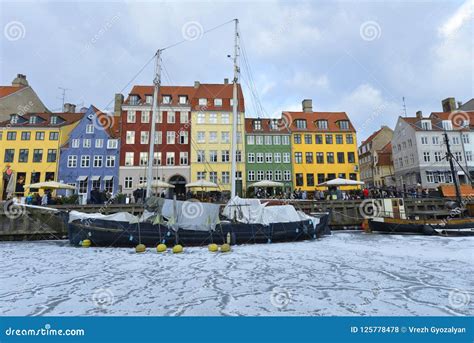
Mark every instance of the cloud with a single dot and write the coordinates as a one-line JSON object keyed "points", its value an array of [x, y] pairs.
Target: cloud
{"points": [[461, 17]]}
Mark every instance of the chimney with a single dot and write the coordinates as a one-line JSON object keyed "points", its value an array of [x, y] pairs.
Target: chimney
{"points": [[459, 104], [307, 105], [196, 84], [118, 104], [69, 108], [226, 81], [20, 81], [419, 114], [449, 104]]}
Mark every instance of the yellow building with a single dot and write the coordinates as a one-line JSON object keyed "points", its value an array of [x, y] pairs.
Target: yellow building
{"points": [[211, 136], [29, 148], [324, 147]]}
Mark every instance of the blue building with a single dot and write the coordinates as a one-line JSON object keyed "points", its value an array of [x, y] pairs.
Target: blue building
{"points": [[90, 158]]}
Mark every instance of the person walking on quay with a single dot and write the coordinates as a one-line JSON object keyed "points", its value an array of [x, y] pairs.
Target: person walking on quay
{"points": [[365, 193]]}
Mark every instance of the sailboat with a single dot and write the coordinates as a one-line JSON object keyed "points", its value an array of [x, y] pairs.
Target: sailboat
{"points": [[169, 221]]}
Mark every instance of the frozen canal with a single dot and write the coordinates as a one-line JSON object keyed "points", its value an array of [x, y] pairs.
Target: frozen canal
{"points": [[345, 274]]}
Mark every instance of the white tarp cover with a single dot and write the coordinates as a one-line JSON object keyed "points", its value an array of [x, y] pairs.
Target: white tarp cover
{"points": [[118, 217], [251, 211], [192, 214]]}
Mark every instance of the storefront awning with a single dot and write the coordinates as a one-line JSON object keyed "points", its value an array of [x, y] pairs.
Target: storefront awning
{"points": [[81, 178], [95, 178], [108, 177]]}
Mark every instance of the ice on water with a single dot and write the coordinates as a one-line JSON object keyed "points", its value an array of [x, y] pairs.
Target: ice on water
{"points": [[344, 274]]}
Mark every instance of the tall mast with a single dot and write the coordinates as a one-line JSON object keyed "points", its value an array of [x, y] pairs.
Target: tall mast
{"points": [[449, 156], [151, 152], [234, 113]]}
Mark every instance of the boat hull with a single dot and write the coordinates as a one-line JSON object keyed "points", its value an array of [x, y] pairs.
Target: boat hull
{"points": [[444, 228], [122, 234]]}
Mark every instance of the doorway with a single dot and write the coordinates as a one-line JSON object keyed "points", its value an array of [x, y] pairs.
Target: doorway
{"points": [[179, 183]]}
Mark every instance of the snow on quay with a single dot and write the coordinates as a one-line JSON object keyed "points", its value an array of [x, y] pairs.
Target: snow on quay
{"points": [[344, 274]]}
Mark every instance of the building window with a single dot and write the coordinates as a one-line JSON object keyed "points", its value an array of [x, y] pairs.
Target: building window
{"points": [[339, 139], [426, 156], [76, 143], [319, 158], [171, 117], [202, 102], [469, 156], [183, 158], [268, 157], [344, 125], [310, 179], [297, 139], [201, 157], [435, 140], [455, 140], [330, 157], [184, 117], [225, 177], [130, 137], [129, 157], [218, 102], [82, 187], [268, 140], [238, 156], [109, 185], [71, 161], [86, 143], [351, 157], [260, 175], [213, 176], [38, 156], [437, 156], [98, 160], [170, 136], [322, 124], [251, 157], [128, 184], [458, 156], [52, 155], [424, 140], [213, 137], [143, 159], [213, 156], [23, 156], [320, 178], [89, 128], [251, 175], [465, 138], [225, 118], [183, 99], [9, 155], [426, 124], [212, 118], [328, 139], [85, 161], [340, 157], [276, 140], [201, 137], [225, 155], [286, 157], [25, 135], [259, 140], [183, 137], [99, 143], [298, 157], [110, 161], [170, 158], [201, 118], [308, 139], [131, 116], [112, 144], [201, 175], [144, 137], [430, 177], [309, 157], [277, 157], [157, 158], [285, 140], [299, 179], [353, 176], [39, 136], [145, 118], [278, 175], [166, 99], [287, 175], [319, 139], [300, 123], [269, 175]]}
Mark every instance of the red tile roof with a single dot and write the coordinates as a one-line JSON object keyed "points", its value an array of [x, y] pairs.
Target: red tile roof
{"points": [[371, 137], [68, 118], [218, 91], [110, 123], [174, 91], [281, 126], [311, 117], [436, 118], [7, 90], [385, 155]]}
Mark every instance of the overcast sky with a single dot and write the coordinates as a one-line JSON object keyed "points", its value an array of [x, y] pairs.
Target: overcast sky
{"points": [[352, 56]]}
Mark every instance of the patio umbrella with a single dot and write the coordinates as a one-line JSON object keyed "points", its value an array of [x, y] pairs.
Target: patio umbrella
{"points": [[340, 182], [50, 185], [201, 184], [156, 184], [267, 183]]}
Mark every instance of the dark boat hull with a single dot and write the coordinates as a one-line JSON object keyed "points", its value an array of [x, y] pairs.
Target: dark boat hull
{"points": [[122, 234], [465, 228]]}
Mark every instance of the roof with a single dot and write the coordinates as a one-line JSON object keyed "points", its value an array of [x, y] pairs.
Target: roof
{"points": [[311, 117], [456, 117], [110, 123], [218, 91], [174, 91], [385, 155], [68, 118], [371, 137], [7, 90], [281, 127]]}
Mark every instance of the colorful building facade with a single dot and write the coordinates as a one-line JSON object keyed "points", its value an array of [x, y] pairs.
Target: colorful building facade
{"points": [[268, 152], [90, 158], [172, 137], [29, 147], [324, 147], [211, 135]]}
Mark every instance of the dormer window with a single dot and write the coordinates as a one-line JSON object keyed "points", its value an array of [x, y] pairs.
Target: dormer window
{"points": [[344, 125], [218, 102], [149, 99], [447, 125], [166, 99], [322, 124], [426, 124], [183, 99], [202, 102], [33, 120], [54, 120], [300, 123], [133, 100], [14, 119], [274, 124], [257, 125]]}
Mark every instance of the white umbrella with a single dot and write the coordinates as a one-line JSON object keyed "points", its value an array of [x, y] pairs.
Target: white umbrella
{"points": [[50, 185], [156, 184], [341, 182], [267, 183], [202, 184]]}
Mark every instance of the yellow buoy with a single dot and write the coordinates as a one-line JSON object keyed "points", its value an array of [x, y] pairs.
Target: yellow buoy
{"points": [[86, 243], [177, 249], [140, 248], [225, 247], [213, 247], [161, 248]]}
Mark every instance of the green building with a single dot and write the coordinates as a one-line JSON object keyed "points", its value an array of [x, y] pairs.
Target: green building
{"points": [[268, 152]]}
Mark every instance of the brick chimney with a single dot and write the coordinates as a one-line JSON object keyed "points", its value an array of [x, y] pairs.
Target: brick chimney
{"points": [[226, 81], [69, 108], [196, 84], [307, 105], [118, 102], [20, 81], [419, 114], [449, 104]]}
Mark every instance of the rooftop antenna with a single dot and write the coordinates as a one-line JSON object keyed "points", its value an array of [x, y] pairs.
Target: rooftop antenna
{"points": [[63, 95], [404, 107]]}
